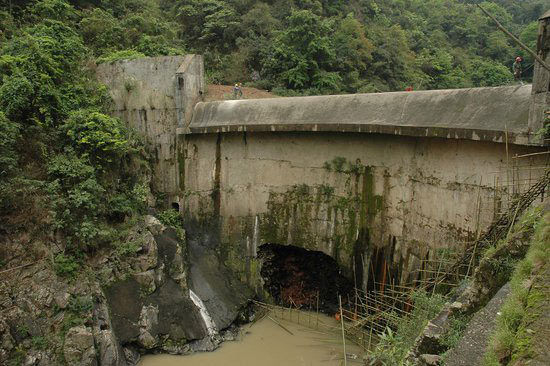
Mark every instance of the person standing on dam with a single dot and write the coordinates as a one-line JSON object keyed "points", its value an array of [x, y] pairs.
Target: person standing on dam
{"points": [[517, 69], [237, 91]]}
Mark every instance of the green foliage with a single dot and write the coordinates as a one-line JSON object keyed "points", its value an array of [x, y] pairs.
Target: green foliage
{"points": [[96, 135], [210, 23], [54, 9], [17, 357], [128, 248], [342, 165], [120, 55], [394, 345], [298, 47], [457, 326], [302, 55], [511, 340], [80, 304], [61, 154], [39, 342], [171, 218], [9, 134], [66, 266], [486, 73]]}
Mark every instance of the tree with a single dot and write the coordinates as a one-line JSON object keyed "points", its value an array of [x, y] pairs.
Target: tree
{"points": [[302, 56], [211, 23], [490, 73]]}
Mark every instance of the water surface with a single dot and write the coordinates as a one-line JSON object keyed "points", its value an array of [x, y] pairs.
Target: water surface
{"points": [[265, 343]]}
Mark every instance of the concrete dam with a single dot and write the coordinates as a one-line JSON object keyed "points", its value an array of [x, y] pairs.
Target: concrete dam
{"points": [[379, 183]]}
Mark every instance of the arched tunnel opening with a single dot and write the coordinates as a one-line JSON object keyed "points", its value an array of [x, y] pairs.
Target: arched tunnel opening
{"points": [[297, 277]]}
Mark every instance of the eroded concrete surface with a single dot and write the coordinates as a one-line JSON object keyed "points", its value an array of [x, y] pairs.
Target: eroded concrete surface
{"points": [[377, 203]]}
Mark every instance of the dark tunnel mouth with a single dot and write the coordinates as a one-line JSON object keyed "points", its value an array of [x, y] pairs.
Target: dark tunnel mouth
{"points": [[307, 279]]}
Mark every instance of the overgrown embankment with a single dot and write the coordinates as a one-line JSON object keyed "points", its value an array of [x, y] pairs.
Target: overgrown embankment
{"points": [[440, 327], [523, 330]]}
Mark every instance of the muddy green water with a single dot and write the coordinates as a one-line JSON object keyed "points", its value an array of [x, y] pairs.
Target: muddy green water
{"points": [[265, 343]]}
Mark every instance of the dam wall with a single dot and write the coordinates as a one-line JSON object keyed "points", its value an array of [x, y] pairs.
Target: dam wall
{"points": [[380, 182]]}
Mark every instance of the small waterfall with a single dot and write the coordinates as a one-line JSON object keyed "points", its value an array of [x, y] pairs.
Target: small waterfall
{"points": [[208, 322], [256, 237]]}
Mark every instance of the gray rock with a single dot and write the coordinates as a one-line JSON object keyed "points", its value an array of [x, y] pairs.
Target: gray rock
{"points": [[32, 359], [146, 280], [44, 297], [154, 225], [110, 353], [132, 355], [148, 321], [7, 343], [79, 347], [148, 258], [431, 360], [62, 299]]}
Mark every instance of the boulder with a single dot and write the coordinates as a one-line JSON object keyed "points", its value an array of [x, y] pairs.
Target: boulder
{"points": [[110, 353], [147, 281], [148, 321], [62, 299], [148, 258], [79, 349], [431, 360], [154, 225]]}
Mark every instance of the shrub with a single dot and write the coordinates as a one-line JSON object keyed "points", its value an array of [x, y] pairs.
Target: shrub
{"points": [[65, 266], [171, 218], [120, 55], [9, 134], [97, 135]]}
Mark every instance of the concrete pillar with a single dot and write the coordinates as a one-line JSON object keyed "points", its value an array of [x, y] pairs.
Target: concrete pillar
{"points": [[190, 87], [541, 81]]}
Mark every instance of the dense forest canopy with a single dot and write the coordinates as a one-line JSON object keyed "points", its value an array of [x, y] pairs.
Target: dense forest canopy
{"points": [[305, 46], [63, 157]]}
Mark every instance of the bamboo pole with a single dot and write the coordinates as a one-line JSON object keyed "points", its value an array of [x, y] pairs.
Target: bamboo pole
{"points": [[343, 330], [280, 325]]}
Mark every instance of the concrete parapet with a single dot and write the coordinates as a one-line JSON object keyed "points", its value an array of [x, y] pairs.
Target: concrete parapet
{"points": [[488, 114]]}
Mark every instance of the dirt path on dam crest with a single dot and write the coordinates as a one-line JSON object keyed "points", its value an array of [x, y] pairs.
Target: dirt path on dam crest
{"points": [[216, 92]]}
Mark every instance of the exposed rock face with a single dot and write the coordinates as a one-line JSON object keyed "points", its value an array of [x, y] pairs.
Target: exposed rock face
{"points": [[222, 294], [79, 347], [119, 305], [7, 343], [109, 350], [152, 309]]}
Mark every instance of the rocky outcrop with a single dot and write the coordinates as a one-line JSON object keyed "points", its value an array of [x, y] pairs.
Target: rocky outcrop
{"points": [[125, 301], [151, 310]]}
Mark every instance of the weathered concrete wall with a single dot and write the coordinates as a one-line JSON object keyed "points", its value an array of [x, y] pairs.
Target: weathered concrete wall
{"points": [[346, 194], [155, 96], [190, 88]]}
